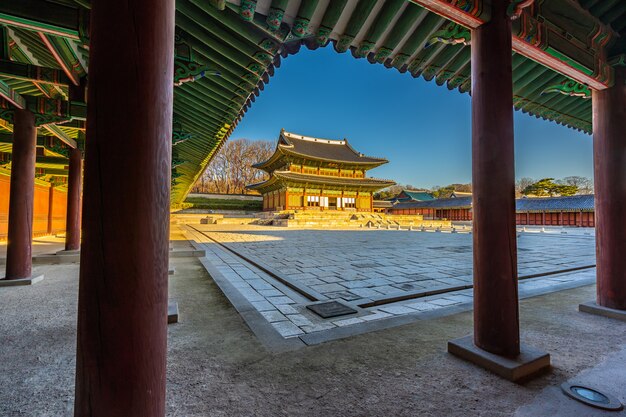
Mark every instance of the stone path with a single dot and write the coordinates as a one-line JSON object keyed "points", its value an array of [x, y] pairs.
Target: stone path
{"points": [[363, 268]]}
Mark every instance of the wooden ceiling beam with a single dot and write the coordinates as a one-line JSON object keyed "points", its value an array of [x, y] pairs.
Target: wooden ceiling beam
{"points": [[43, 16], [51, 160], [63, 61], [34, 73], [42, 141], [61, 135], [55, 172], [12, 96]]}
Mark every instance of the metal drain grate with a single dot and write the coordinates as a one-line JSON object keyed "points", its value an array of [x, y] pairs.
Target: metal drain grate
{"points": [[331, 309]]}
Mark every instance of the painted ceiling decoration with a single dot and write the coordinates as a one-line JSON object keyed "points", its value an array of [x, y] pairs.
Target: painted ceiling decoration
{"points": [[227, 51]]}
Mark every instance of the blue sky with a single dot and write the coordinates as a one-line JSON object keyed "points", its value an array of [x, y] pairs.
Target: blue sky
{"points": [[424, 130]]}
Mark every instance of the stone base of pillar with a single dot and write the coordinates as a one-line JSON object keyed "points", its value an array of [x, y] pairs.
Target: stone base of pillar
{"points": [[68, 252], [172, 312], [592, 307], [56, 259], [20, 281], [531, 362]]}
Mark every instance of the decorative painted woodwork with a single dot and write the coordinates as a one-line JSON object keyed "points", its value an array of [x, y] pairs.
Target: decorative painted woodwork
{"points": [[185, 68], [29, 72], [569, 88], [246, 9], [178, 134], [453, 34], [274, 18], [515, 8], [46, 111]]}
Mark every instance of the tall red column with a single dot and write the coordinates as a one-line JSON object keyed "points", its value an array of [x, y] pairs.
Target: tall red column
{"points": [[50, 208], [609, 154], [74, 190], [496, 321], [122, 306], [20, 233]]}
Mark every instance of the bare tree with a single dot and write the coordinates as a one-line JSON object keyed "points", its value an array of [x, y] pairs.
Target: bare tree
{"points": [[584, 184], [231, 169], [521, 185]]}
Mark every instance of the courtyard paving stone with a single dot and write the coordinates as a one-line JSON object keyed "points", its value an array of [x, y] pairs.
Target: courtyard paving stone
{"points": [[357, 267]]}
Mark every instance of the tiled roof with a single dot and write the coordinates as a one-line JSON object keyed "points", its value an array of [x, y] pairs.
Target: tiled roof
{"points": [[327, 149], [438, 203], [572, 203], [418, 195], [576, 202], [366, 183], [382, 204]]}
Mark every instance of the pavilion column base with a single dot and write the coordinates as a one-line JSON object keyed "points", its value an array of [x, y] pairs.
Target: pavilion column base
{"points": [[172, 312], [20, 281], [68, 252], [530, 362], [592, 307]]}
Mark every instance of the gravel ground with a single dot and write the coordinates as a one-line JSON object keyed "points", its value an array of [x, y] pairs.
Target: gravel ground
{"points": [[216, 367]]}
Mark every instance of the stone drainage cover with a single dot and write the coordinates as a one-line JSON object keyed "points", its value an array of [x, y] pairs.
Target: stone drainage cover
{"points": [[331, 309], [591, 396]]}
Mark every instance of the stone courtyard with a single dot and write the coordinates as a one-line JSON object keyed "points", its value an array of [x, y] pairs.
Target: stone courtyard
{"points": [[219, 365], [273, 276]]}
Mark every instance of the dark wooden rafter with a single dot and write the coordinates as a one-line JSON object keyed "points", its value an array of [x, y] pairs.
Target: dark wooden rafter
{"points": [[20, 57], [63, 54], [50, 143], [61, 135], [47, 17], [34, 73]]}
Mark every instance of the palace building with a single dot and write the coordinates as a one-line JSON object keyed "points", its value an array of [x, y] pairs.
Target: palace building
{"points": [[318, 174]]}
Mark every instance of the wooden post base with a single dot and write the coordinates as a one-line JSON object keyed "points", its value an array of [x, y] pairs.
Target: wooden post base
{"points": [[21, 281], [172, 312], [592, 307], [530, 362]]}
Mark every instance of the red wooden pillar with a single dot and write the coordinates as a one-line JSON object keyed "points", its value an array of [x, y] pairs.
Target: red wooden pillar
{"points": [[122, 306], [496, 321], [609, 151], [74, 190], [50, 208], [20, 233]]}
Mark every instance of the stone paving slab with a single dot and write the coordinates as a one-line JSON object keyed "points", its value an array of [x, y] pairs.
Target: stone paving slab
{"points": [[374, 264], [284, 309]]}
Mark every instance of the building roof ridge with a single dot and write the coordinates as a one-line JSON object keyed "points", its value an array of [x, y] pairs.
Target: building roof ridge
{"points": [[297, 136]]}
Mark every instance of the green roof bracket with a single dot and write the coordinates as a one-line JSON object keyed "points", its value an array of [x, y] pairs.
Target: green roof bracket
{"points": [[247, 9], [569, 88], [452, 34]]}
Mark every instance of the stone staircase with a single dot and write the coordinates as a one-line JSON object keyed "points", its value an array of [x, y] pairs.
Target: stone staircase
{"points": [[346, 219]]}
